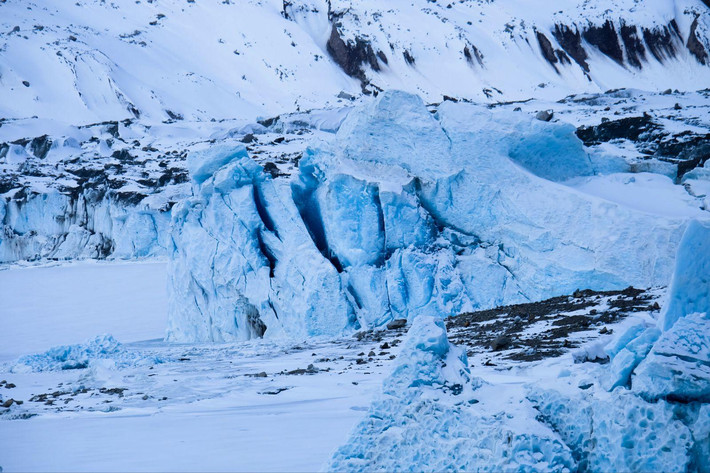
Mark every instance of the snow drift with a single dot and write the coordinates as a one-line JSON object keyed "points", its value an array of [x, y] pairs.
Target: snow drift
{"points": [[405, 213]]}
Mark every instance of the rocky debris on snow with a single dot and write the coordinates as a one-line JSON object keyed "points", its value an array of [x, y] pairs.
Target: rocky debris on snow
{"points": [[549, 328]]}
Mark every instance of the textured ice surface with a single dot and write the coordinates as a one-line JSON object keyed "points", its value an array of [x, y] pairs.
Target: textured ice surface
{"points": [[427, 419], [678, 365], [618, 432], [637, 342], [54, 225], [655, 417], [672, 361], [70, 357], [404, 213]]}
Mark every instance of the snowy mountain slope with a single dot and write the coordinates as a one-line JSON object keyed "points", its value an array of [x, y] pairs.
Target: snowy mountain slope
{"points": [[91, 60]]}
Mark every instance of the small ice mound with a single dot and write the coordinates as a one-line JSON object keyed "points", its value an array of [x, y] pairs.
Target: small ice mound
{"points": [[80, 356], [626, 353], [690, 289], [672, 361], [427, 419], [617, 431]]}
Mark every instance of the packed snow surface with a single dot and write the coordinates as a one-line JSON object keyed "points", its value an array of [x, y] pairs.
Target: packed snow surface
{"points": [[66, 305], [171, 407]]}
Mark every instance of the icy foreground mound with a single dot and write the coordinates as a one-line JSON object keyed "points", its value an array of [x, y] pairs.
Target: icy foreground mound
{"points": [[656, 416], [426, 419], [405, 213]]}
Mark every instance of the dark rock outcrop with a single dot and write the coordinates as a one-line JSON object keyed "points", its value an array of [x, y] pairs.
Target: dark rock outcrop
{"points": [[571, 42], [351, 56], [630, 128], [605, 39], [687, 150], [694, 45], [661, 41], [635, 50]]}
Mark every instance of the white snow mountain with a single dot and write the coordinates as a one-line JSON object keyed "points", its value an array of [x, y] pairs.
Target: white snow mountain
{"points": [[95, 60]]}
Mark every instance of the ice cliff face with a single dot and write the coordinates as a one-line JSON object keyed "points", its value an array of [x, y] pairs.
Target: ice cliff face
{"points": [[405, 213], [62, 226]]}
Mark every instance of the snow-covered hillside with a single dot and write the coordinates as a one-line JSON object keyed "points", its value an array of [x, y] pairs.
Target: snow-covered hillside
{"points": [[93, 60]]}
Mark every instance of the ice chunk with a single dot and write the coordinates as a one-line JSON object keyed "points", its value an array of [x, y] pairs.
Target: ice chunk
{"points": [[396, 130], [203, 164], [678, 366], [628, 358], [700, 429], [71, 357], [690, 289], [427, 419], [244, 264]]}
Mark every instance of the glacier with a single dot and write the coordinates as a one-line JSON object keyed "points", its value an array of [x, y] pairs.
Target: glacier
{"points": [[404, 212], [60, 226], [433, 414]]}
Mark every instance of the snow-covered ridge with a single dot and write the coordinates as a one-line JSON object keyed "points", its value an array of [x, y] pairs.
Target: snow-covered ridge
{"points": [[90, 61]]}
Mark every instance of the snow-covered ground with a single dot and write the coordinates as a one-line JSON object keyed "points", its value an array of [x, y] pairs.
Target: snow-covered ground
{"points": [[262, 405], [215, 416], [88, 61], [45, 306]]}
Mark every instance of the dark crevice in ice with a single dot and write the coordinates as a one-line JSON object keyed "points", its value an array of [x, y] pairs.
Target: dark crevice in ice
{"points": [[309, 210]]}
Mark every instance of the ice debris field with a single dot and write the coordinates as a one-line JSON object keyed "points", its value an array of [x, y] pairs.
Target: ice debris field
{"points": [[426, 289]]}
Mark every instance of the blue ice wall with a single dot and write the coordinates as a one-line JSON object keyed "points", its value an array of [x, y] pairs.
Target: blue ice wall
{"points": [[403, 213]]}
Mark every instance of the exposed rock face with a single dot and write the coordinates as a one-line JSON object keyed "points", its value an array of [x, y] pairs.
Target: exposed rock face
{"points": [[686, 149], [695, 46], [551, 55], [635, 50], [629, 128], [351, 56], [571, 42], [623, 44], [605, 39]]}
